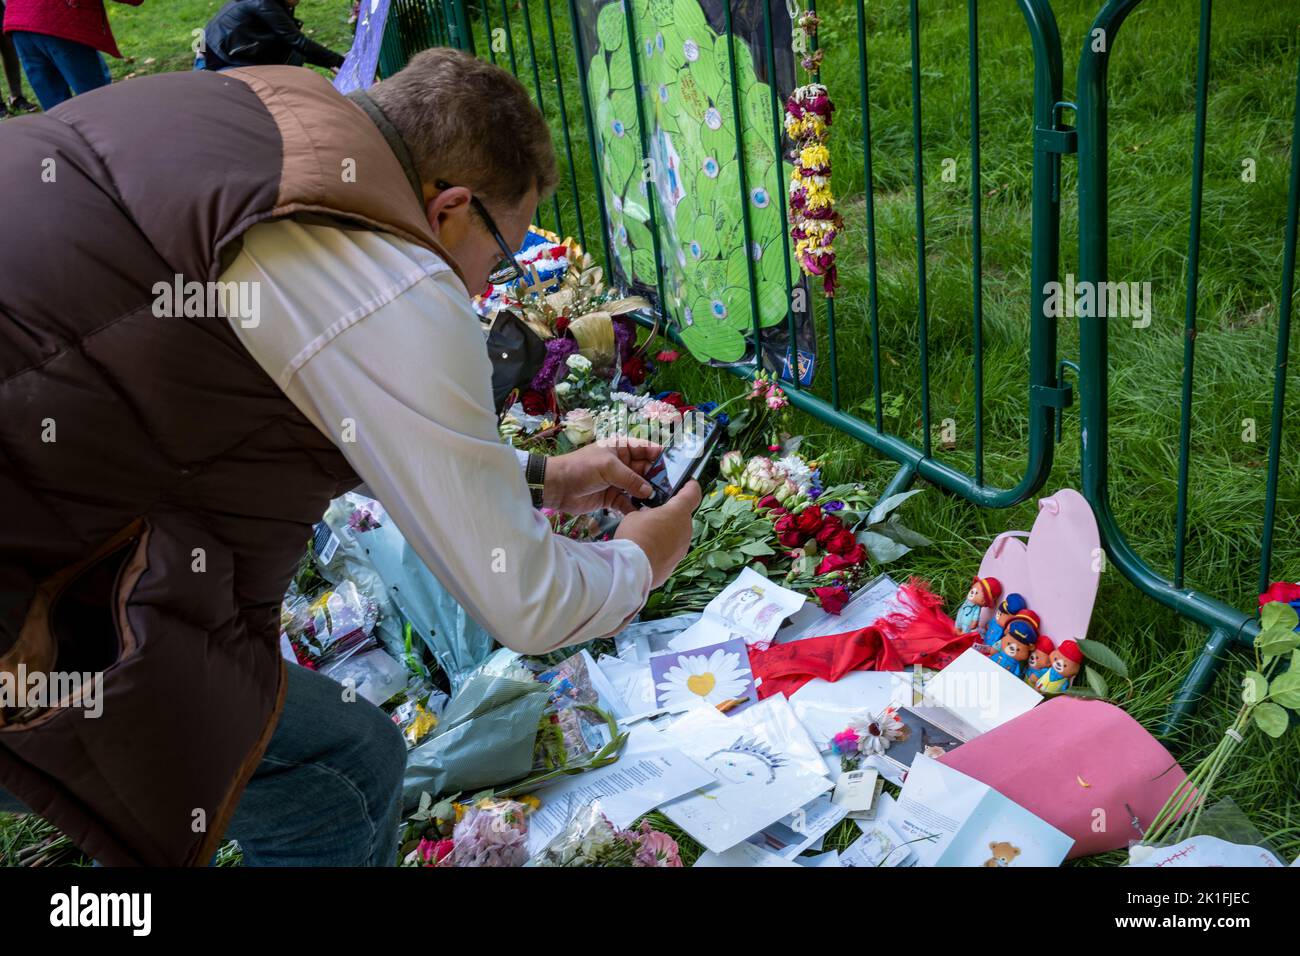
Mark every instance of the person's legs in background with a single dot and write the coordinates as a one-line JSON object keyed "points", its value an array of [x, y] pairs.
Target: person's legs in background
{"points": [[47, 82], [82, 66], [58, 69], [328, 789], [15, 102]]}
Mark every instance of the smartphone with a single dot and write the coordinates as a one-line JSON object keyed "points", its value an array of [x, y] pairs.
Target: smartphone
{"points": [[682, 459]]}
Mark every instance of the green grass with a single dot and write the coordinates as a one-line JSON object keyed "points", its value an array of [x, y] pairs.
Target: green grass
{"points": [[1255, 52], [1251, 105]]}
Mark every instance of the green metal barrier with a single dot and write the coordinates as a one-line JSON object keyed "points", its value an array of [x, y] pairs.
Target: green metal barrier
{"points": [[1226, 624], [509, 34], [512, 33]]}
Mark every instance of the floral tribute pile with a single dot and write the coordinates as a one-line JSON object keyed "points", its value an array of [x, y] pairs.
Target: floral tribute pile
{"points": [[487, 831], [584, 323], [768, 507]]}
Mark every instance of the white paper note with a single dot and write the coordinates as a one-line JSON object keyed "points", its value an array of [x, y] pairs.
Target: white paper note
{"points": [[750, 607], [980, 692], [643, 778]]}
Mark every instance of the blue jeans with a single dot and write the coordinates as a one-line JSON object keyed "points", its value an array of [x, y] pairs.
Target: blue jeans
{"points": [[58, 69], [328, 789]]}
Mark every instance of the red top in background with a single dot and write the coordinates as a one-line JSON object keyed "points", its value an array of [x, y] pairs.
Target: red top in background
{"points": [[83, 21]]}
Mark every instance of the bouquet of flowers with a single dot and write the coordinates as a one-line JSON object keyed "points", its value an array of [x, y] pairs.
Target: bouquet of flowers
{"points": [[770, 512], [328, 626], [590, 839], [564, 300], [482, 832]]}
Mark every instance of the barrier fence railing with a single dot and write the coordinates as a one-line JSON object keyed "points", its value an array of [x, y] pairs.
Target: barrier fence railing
{"points": [[522, 37], [551, 58], [1226, 624]]}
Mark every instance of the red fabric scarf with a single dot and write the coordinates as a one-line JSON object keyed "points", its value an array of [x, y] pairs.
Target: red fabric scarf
{"points": [[919, 633]]}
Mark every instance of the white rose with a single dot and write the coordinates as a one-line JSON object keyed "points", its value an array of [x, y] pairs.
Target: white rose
{"points": [[580, 426]]}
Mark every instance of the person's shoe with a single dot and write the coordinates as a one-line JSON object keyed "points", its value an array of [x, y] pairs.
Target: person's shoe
{"points": [[20, 104]]}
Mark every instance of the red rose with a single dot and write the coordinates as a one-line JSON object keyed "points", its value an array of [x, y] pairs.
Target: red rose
{"points": [[832, 598], [635, 370], [534, 402], [561, 325], [1282, 591], [841, 562], [675, 399], [841, 542], [830, 525], [809, 520], [787, 533], [767, 501]]}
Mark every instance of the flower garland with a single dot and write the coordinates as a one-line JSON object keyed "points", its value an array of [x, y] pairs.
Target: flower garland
{"points": [[814, 223]]}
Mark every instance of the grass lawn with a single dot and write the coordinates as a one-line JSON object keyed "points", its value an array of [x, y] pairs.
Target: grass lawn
{"points": [[1255, 50]]}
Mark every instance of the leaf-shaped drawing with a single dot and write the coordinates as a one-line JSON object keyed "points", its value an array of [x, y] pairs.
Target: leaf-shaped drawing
{"points": [[611, 26], [706, 340], [620, 71]]}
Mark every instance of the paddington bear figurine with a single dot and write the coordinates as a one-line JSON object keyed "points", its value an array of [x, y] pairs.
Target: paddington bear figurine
{"points": [[1040, 660], [983, 593], [1066, 661], [1011, 605], [1017, 642]]}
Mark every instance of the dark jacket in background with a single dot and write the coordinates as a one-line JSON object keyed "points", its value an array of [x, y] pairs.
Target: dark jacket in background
{"points": [[261, 33]]}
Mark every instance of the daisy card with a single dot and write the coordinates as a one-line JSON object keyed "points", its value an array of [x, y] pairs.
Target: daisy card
{"points": [[712, 676]]}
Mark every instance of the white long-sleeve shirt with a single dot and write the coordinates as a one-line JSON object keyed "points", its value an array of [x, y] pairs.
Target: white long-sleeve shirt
{"points": [[374, 340]]}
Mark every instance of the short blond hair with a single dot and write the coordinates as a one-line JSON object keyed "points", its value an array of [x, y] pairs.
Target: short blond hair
{"points": [[471, 124]]}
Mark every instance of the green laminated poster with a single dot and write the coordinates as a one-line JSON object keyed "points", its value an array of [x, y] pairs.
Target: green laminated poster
{"points": [[709, 157]]}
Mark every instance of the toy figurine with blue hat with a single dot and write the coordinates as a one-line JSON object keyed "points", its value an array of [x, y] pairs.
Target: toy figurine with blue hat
{"points": [[1018, 640], [983, 593], [1011, 605]]}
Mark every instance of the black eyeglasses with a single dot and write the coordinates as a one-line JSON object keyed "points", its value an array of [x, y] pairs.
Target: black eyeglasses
{"points": [[508, 268]]}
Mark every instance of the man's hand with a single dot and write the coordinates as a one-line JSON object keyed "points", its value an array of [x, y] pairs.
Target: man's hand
{"points": [[663, 533], [599, 476]]}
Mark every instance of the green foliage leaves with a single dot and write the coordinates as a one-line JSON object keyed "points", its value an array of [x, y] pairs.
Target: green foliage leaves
{"points": [[1254, 688], [1271, 719], [1285, 690], [1103, 655], [1277, 635]]}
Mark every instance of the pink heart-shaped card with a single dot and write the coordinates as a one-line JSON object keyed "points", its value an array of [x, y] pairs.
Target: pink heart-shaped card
{"points": [[1056, 569]]}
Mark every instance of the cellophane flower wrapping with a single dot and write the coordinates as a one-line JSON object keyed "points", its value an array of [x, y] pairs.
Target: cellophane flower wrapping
{"points": [[590, 839]]}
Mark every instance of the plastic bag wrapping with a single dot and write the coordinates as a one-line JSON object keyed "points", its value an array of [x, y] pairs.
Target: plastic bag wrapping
{"points": [[372, 674], [1222, 836], [351, 519], [590, 839], [486, 737], [330, 626], [372, 552], [458, 643], [419, 711]]}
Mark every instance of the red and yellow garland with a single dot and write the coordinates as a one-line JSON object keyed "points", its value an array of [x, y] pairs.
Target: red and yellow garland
{"points": [[814, 223]]}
